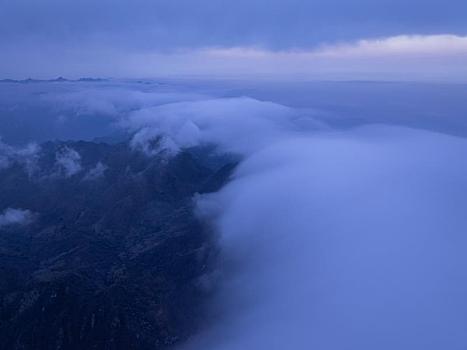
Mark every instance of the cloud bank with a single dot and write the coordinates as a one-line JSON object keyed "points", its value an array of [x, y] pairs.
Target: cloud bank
{"points": [[329, 239], [225, 122], [349, 240]]}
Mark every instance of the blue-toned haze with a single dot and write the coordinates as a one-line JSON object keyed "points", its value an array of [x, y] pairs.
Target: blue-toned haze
{"points": [[343, 226]]}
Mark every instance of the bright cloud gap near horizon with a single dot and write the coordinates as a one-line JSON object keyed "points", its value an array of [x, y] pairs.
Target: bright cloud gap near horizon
{"points": [[439, 57], [441, 44], [403, 57]]}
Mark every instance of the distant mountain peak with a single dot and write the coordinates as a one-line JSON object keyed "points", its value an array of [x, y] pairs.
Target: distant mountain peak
{"points": [[59, 79]]}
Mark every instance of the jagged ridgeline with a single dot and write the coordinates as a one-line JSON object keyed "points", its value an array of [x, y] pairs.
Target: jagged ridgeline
{"points": [[100, 247]]}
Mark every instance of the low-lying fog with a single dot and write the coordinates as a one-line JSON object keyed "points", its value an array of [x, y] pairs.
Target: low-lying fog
{"points": [[344, 226]]}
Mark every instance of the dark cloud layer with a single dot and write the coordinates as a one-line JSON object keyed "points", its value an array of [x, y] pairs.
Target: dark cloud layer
{"points": [[145, 24], [154, 38]]}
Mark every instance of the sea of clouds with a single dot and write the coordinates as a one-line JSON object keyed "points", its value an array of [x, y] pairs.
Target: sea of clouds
{"points": [[347, 240], [333, 234]]}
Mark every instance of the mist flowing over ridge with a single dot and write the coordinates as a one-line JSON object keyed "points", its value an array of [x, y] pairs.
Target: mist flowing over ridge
{"points": [[352, 240], [326, 234], [338, 215]]}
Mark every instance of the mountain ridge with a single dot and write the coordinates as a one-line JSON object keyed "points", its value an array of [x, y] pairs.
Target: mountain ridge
{"points": [[111, 262]]}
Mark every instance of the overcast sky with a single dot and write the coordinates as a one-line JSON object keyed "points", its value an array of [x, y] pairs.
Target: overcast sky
{"points": [[150, 38]]}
